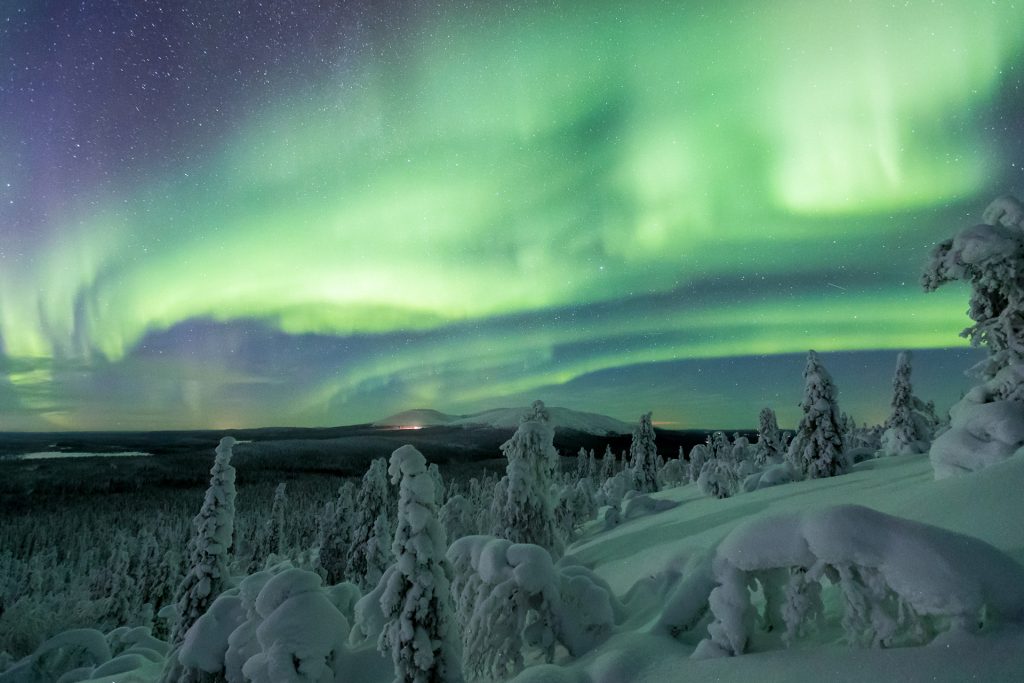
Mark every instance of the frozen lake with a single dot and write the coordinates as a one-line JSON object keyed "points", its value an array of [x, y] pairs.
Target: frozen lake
{"points": [[50, 455]]}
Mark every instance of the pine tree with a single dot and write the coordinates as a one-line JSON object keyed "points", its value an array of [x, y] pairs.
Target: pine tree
{"points": [[269, 539], [419, 631], [526, 513], [990, 258], [904, 430], [643, 456], [372, 501], [817, 448], [214, 527], [334, 535], [607, 464], [769, 448]]}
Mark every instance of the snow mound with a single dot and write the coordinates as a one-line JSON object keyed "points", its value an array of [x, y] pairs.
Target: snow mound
{"points": [[901, 582], [985, 427]]}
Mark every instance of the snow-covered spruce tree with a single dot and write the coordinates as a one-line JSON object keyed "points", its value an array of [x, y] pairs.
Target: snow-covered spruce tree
{"points": [[987, 424], [208, 562], [420, 629], [817, 448], [372, 501], [698, 456], [990, 258], [269, 535], [334, 535], [643, 456], [525, 513], [769, 449], [607, 465], [457, 517], [906, 431]]}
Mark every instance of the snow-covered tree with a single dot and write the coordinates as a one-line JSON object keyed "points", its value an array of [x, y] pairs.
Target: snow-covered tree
{"points": [[607, 464], [817, 449], [334, 535], [768, 449], [987, 423], [698, 456], [526, 512], [270, 535], [214, 527], [420, 630], [717, 478], [907, 430], [643, 456], [372, 501], [457, 516], [990, 258]]}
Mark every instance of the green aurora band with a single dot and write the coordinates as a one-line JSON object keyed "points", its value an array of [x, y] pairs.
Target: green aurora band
{"points": [[778, 168]]}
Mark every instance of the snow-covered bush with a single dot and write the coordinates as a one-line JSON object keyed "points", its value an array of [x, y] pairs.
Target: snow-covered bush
{"points": [[419, 629], [900, 582], [79, 650], [817, 448], [768, 477], [641, 504], [511, 600], [984, 429], [698, 456], [673, 473], [717, 478]]}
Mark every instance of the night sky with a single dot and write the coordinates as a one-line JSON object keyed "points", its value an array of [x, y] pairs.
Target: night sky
{"points": [[229, 213]]}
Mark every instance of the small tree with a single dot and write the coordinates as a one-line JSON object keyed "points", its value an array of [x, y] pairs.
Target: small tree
{"points": [[416, 603], [769, 448], [214, 528], [643, 456], [270, 535], [905, 431], [607, 464], [817, 448]]}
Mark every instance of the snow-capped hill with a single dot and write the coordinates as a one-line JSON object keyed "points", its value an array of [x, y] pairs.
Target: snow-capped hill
{"points": [[418, 417], [507, 418], [564, 418]]}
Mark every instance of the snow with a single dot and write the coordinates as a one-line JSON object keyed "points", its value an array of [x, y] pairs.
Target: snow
{"points": [[628, 601]]}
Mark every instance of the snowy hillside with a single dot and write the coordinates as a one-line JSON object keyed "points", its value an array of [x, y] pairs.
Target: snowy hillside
{"points": [[418, 417], [655, 565], [508, 418]]}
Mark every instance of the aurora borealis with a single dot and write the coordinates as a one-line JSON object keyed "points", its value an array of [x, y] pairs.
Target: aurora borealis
{"points": [[245, 214]]}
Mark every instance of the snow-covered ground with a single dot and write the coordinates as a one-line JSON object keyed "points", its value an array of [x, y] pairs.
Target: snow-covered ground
{"points": [[649, 561]]}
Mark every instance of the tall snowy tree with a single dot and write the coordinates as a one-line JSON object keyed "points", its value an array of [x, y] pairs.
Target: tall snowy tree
{"points": [[906, 430], [607, 464], [420, 629], [526, 513], [270, 535], [372, 501], [208, 563], [334, 535], [769, 448], [990, 258], [643, 456], [817, 448]]}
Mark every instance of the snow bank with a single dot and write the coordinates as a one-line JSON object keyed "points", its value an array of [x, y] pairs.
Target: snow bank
{"points": [[901, 581], [512, 600], [985, 426]]}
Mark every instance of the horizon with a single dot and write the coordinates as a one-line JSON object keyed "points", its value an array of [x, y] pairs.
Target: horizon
{"points": [[234, 214]]}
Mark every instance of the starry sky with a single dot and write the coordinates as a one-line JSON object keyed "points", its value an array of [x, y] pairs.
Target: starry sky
{"points": [[242, 213]]}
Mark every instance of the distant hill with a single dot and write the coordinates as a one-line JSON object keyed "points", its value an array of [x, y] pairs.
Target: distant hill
{"points": [[508, 418]]}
